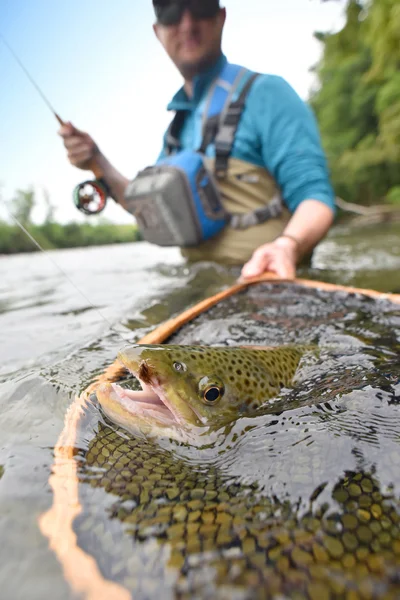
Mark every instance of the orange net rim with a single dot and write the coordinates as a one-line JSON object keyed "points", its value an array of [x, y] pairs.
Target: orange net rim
{"points": [[79, 568], [165, 330]]}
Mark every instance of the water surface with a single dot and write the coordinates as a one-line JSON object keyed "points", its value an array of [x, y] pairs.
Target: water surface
{"points": [[54, 340]]}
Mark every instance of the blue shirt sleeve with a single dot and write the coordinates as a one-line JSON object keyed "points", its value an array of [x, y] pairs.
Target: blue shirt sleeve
{"points": [[290, 142]]}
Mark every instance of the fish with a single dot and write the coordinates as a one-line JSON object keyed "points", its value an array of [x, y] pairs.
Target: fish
{"points": [[196, 388], [190, 524]]}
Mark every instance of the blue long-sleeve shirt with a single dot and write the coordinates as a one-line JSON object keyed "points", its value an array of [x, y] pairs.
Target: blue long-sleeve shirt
{"points": [[277, 131]]}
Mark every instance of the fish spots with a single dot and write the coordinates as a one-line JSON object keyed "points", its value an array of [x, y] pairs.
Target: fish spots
{"points": [[248, 376]]}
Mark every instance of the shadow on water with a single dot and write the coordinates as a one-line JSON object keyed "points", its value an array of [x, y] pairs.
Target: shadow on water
{"points": [[304, 495]]}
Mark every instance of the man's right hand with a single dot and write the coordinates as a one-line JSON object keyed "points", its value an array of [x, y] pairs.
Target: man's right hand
{"points": [[81, 148]]}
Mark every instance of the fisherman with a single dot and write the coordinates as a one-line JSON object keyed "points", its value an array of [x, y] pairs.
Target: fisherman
{"points": [[273, 169]]}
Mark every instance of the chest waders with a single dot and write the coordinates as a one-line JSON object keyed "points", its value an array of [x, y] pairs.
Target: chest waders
{"points": [[192, 201]]}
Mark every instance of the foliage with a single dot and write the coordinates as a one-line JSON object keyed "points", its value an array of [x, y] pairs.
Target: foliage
{"points": [[394, 195], [51, 235], [22, 204], [357, 102]]}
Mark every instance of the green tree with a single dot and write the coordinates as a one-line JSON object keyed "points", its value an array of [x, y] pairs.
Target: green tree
{"points": [[50, 208], [357, 101], [51, 234], [22, 204]]}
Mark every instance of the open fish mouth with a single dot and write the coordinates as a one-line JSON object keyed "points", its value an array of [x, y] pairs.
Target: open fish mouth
{"points": [[150, 402], [164, 401]]}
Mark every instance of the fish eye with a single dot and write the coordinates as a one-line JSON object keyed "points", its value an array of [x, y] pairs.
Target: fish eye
{"points": [[212, 394], [211, 389], [180, 367]]}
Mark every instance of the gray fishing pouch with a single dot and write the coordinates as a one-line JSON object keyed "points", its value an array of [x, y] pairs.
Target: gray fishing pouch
{"points": [[176, 202]]}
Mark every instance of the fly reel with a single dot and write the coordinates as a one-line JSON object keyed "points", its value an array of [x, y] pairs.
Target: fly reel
{"points": [[90, 197]]}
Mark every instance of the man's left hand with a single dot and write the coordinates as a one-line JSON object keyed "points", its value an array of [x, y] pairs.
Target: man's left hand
{"points": [[279, 256]]}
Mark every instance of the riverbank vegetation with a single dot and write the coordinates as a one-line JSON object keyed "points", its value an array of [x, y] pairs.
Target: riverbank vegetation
{"points": [[50, 234], [357, 102]]}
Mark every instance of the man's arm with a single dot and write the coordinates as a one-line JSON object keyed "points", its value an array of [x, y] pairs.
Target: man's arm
{"points": [[292, 153], [83, 153], [308, 225]]}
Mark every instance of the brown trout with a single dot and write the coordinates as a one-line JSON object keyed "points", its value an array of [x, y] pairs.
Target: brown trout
{"points": [[190, 388], [195, 524]]}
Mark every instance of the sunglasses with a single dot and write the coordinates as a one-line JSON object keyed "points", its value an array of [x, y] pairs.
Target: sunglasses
{"points": [[169, 12]]}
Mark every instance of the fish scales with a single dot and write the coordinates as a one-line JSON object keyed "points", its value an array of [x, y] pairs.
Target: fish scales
{"points": [[195, 533]]}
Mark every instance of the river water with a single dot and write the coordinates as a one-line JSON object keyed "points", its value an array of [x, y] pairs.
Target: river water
{"points": [[63, 317]]}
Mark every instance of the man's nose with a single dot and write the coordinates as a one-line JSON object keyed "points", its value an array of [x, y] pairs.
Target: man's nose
{"points": [[187, 21]]}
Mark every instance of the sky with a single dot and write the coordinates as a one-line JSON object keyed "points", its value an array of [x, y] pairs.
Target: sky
{"points": [[101, 67]]}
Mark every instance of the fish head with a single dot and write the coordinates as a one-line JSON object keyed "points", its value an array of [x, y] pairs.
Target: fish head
{"points": [[194, 387], [187, 379]]}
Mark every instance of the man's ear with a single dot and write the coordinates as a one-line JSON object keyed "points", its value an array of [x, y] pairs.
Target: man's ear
{"points": [[222, 15], [155, 29]]}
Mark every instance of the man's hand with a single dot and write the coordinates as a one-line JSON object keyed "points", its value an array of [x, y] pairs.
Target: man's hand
{"points": [[308, 225], [84, 153], [81, 148], [279, 256]]}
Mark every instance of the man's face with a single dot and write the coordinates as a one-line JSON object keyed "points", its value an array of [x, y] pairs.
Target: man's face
{"points": [[192, 43]]}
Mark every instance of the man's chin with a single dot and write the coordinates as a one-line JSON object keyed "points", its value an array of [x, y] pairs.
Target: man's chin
{"points": [[194, 64]]}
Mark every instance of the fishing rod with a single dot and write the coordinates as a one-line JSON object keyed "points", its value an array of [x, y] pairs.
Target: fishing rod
{"points": [[90, 196], [90, 201]]}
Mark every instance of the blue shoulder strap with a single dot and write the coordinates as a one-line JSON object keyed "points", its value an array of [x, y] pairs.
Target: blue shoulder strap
{"points": [[222, 89], [223, 112], [220, 108], [218, 99]]}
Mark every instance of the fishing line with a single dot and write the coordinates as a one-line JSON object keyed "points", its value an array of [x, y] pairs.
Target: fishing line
{"points": [[36, 243]]}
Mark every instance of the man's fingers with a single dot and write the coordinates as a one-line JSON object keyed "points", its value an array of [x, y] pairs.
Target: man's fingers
{"points": [[284, 269], [81, 148], [269, 258], [75, 142], [68, 129], [77, 158], [257, 264]]}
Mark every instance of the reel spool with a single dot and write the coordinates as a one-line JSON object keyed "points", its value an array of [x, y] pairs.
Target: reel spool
{"points": [[90, 197]]}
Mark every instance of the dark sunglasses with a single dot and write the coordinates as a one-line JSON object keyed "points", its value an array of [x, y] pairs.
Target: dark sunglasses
{"points": [[169, 12]]}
